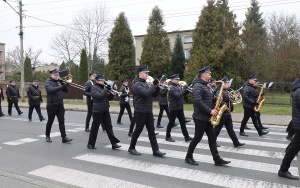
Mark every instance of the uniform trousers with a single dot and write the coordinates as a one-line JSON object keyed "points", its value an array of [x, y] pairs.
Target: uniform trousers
{"points": [[132, 123], [172, 117], [143, 119], [200, 128], [10, 107], [104, 118], [290, 129], [227, 121], [249, 112], [162, 108], [291, 151], [89, 114], [59, 112], [38, 111], [122, 108], [258, 119]]}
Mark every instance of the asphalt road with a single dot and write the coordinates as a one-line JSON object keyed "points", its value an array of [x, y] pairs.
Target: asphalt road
{"points": [[26, 160]]}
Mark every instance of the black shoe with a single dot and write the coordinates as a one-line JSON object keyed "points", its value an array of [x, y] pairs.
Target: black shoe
{"points": [[188, 139], [130, 134], [20, 113], [9, 114], [133, 152], [191, 161], [159, 126], [176, 124], [87, 130], [119, 123], [288, 175], [289, 137], [48, 139], [158, 153], [91, 147], [221, 162], [187, 120], [42, 119], [115, 146], [263, 132], [246, 127], [2, 115], [243, 134], [66, 140], [29, 119], [262, 127], [169, 139], [238, 145]]}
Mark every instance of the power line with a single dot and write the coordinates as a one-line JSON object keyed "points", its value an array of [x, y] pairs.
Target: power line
{"points": [[8, 29]]}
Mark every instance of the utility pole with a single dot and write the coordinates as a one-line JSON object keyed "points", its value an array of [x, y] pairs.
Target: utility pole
{"points": [[20, 13]]}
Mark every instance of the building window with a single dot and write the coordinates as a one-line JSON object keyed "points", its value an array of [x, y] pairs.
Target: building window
{"points": [[188, 39], [187, 54]]}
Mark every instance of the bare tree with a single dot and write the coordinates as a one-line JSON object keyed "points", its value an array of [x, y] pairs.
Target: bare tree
{"points": [[34, 57], [13, 56], [63, 47], [91, 31]]}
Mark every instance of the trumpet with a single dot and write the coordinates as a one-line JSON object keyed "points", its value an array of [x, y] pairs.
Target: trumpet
{"points": [[183, 83]]}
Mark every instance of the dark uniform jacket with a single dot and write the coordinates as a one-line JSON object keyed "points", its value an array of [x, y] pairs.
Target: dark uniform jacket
{"points": [[250, 95], [124, 96], [34, 95], [143, 96], [101, 97], [162, 96], [87, 90], [12, 93], [202, 98], [296, 104], [176, 95], [1, 94], [55, 89]]}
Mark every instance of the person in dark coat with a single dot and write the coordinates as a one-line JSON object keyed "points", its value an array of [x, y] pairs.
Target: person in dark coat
{"points": [[55, 87], [35, 99], [13, 95], [1, 99], [143, 111], [176, 95], [89, 101], [250, 96], [101, 96], [203, 102], [132, 123], [124, 101], [162, 101], [226, 117], [294, 146]]}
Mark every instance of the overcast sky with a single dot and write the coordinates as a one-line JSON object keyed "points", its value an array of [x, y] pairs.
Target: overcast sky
{"points": [[178, 15]]}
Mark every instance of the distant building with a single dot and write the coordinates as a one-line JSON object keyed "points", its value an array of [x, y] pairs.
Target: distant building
{"points": [[2, 61], [47, 67], [187, 41]]}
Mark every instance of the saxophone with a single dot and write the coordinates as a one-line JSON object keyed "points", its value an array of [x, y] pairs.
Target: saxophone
{"points": [[215, 120], [261, 99]]}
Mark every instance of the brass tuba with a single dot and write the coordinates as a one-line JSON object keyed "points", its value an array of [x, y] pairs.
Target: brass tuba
{"points": [[215, 120]]}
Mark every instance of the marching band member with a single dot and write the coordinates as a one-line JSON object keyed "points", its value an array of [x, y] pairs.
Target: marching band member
{"points": [[226, 117], [202, 98], [124, 101], [101, 96], [294, 146], [132, 123], [13, 95], [176, 94], [1, 99], [162, 101], [89, 101], [143, 111], [35, 99], [250, 95], [55, 87]]}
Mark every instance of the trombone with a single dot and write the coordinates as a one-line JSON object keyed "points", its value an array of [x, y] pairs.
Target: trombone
{"points": [[68, 79]]}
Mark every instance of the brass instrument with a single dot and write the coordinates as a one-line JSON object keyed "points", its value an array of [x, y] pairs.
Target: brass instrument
{"points": [[183, 83], [215, 119], [261, 99], [113, 87], [68, 79], [235, 96]]}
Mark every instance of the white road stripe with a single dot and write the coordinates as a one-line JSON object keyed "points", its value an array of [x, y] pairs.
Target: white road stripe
{"points": [[80, 178], [244, 151], [76, 130], [54, 134], [177, 172], [228, 140], [243, 164], [21, 141]]}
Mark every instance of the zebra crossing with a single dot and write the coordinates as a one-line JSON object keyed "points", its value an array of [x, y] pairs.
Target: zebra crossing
{"points": [[254, 165]]}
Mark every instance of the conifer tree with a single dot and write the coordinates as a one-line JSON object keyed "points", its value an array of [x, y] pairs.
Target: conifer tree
{"points": [[28, 75], [215, 41], [83, 66], [156, 45], [121, 50], [178, 59], [62, 66]]}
